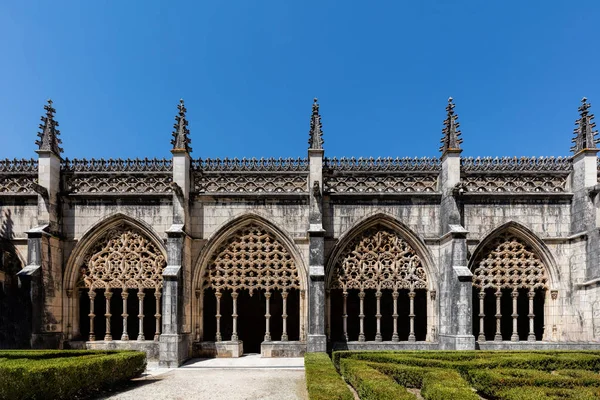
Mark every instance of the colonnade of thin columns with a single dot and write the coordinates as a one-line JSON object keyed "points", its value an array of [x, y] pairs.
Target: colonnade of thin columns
{"points": [[234, 315], [124, 296], [361, 315], [515, 333]]}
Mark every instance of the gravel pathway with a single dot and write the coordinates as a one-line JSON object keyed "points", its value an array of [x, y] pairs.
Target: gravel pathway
{"points": [[249, 377]]}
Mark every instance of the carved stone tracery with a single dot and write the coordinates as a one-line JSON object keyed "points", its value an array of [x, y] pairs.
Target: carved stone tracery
{"points": [[380, 184], [509, 263], [252, 259], [124, 259], [379, 259]]}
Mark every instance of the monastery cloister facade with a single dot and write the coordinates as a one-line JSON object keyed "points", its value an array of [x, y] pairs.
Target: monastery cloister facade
{"points": [[185, 257]]}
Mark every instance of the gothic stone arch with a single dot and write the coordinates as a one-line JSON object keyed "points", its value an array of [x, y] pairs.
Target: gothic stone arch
{"points": [[118, 254], [248, 255], [508, 262], [380, 258]]}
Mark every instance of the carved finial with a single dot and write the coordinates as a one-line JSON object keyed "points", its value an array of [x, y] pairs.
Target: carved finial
{"points": [[450, 140], [49, 140], [181, 140], [315, 140], [585, 135]]}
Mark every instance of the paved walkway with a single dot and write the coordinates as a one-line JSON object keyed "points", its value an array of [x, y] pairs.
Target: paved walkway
{"points": [[248, 377]]}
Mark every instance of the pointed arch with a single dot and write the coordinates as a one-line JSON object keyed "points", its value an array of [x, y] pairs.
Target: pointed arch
{"points": [[389, 222], [229, 228], [529, 238], [93, 234]]}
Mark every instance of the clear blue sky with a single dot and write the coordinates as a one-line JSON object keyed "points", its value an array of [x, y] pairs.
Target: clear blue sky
{"points": [[248, 71]]}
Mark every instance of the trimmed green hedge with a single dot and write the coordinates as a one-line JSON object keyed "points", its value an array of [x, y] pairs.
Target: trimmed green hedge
{"points": [[371, 384], [444, 385], [542, 393], [498, 375], [465, 362], [47, 375], [322, 380]]}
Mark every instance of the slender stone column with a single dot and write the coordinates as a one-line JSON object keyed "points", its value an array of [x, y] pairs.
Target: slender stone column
{"points": [[157, 295], [378, 337], [515, 334], [124, 296], [141, 296], [345, 315], [108, 295], [284, 335], [481, 337], [361, 316], [411, 296], [92, 295], [234, 315], [498, 336], [395, 336], [268, 317], [531, 315], [218, 336]]}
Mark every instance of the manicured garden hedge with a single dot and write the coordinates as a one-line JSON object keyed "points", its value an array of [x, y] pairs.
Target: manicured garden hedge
{"points": [[63, 374], [322, 380], [371, 384], [464, 375]]}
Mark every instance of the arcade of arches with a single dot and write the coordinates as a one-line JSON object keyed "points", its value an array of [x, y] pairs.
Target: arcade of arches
{"points": [[251, 291]]}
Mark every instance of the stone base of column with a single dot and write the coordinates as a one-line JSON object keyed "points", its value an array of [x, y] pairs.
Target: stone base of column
{"points": [[282, 349], [223, 349], [173, 350], [457, 342], [316, 343]]}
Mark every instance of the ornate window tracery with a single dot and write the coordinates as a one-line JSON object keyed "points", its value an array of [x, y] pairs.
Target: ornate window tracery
{"points": [[252, 259], [123, 259], [379, 259], [507, 263]]}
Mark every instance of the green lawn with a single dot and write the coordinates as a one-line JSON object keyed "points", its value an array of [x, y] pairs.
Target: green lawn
{"points": [[456, 375]]}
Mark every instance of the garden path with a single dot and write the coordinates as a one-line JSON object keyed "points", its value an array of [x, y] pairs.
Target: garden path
{"points": [[247, 377]]}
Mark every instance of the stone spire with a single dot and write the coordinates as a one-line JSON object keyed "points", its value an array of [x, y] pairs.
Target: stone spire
{"points": [[315, 141], [585, 135], [181, 140], [49, 140], [450, 141]]}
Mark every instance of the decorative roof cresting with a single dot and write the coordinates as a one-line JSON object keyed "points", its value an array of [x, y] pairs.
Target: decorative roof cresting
{"points": [[49, 140], [181, 140], [315, 141], [585, 135], [450, 139]]}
